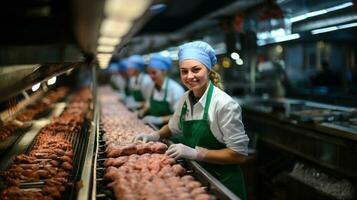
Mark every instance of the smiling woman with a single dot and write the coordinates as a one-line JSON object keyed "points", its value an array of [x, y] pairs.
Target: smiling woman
{"points": [[207, 120]]}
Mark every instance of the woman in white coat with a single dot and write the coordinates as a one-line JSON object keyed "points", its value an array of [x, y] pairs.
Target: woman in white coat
{"points": [[208, 120], [139, 83], [165, 93]]}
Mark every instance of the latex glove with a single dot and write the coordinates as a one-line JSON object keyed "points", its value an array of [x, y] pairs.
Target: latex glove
{"points": [[153, 120], [139, 113], [131, 103], [121, 96], [177, 151], [147, 137]]}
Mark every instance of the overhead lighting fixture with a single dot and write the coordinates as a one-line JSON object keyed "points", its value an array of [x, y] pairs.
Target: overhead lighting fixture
{"points": [[239, 61], [235, 55], [350, 25], [114, 28], [287, 37], [104, 55], [316, 13], [103, 65], [105, 49], [52, 80], [320, 12], [324, 30], [279, 39], [126, 9], [333, 28], [35, 87], [339, 7], [108, 41]]}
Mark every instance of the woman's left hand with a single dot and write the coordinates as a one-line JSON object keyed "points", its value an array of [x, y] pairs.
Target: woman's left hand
{"points": [[182, 151]]}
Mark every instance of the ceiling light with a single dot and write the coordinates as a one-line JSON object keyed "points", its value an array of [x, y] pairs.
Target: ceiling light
{"points": [[350, 25], [105, 49], [316, 13], [35, 87], [344, 5], [126, 9], [239, 61], [324, 30], [52, 81], [320, 12], [108, 41], [104, 55], [235, 55], [287, 37], [333, 28], [114, 28]]}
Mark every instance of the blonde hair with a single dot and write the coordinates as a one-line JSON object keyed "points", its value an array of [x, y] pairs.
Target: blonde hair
{"points": [[216, 79]]}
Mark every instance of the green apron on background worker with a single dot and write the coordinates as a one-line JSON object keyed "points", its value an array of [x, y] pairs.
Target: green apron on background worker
{"points": [[164, 94], [139, 82]]}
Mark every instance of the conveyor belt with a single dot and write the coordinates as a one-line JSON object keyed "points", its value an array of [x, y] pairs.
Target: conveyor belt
{"points": [[213, 186], [72, 131]]}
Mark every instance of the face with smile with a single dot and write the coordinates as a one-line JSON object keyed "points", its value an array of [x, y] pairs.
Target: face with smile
{"points": [[194, 75]]}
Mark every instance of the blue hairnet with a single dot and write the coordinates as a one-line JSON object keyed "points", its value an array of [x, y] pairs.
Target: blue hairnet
{"points": [[113, 68], [123, 65], [136, 62], [161, 62], [198, 50]]}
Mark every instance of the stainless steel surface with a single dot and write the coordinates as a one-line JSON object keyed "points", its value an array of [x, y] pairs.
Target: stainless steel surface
{"points": [[215, 186], [22, 144], [341, 127], [90, 159], [26, 140], [16, 78]]}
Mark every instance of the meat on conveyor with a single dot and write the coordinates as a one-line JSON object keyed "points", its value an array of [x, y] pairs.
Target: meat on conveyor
{"points": [[32, 111], [140, 170], [51, 158], [43, 105]]}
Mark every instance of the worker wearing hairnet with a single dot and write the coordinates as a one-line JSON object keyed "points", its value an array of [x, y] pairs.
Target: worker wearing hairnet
{"points": [[119, 77], [139, 84], [165, 94], [208, 119]]}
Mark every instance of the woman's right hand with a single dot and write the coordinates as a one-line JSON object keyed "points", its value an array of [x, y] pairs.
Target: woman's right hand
{"points": [[147, 137]]}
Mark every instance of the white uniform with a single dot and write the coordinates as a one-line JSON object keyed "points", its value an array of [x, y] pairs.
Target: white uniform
{"points": [[224, 116], [174, 93], [142, 82], [119, 82]]}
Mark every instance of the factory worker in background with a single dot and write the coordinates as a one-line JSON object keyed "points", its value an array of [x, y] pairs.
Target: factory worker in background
{"points": [[120, 77], [165, 93], [140, 83], [208, 119]]}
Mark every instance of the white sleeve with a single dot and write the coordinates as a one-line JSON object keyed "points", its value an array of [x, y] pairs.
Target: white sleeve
{"points": [[231, 126], [146, 86], [176, 96], [174, 122]]}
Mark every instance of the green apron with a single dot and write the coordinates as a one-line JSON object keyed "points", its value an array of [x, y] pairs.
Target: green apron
{"points": [[198, 133], [136, 93], [160, 108]]}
